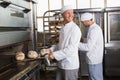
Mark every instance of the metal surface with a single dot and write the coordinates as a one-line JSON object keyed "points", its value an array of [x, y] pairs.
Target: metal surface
{"points": [[112, 41], [17, 32], [11, 37], [10, 20], [113, 26], [88, 10], [34, 26], [52, 20], [112, 9], [112, 65], [21, 71]]}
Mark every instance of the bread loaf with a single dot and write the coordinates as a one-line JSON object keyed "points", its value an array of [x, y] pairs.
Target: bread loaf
{"points": [[44, 52], [20, 56], [32, 54]]}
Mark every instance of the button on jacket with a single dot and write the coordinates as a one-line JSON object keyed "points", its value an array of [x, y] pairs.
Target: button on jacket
{"points": [[66, 52], [94, 45]]}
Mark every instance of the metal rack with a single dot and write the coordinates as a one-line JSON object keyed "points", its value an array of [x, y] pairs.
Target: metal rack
{"points": [[52, 22]]}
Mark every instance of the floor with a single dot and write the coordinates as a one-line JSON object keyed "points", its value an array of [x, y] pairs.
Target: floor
{"points": [[50, 75]]}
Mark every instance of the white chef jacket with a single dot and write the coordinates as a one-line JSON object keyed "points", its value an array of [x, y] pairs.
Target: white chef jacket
{"points": [[94, 45], [66, 52]]}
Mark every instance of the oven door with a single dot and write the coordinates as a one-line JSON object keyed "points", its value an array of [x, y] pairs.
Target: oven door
{"points": [[112, 44]]}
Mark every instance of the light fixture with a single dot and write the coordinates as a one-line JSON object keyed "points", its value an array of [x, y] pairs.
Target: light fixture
{"points": [[5, 4], [29, 0], [26, 10]]}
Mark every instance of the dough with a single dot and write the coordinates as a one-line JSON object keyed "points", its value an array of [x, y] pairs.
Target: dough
{"points": [[44, 51], [20, 56], [32, 54]]}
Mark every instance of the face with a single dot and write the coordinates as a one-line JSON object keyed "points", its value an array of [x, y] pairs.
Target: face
{"points": [[68, 15], [86, 23]]}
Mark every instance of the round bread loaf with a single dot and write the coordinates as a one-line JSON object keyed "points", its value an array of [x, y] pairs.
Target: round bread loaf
{"points": [[44, 52], [20, 56], [32, 54]]}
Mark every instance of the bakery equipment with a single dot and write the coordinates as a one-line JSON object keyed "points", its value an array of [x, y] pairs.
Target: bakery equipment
{"points": [[18, 33]]}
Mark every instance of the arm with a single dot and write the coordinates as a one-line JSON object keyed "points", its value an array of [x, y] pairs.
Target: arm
{"points": [[91, 40]]}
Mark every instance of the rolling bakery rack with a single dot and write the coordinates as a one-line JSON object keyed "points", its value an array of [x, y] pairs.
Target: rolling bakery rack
{"points": [[52, 22]]}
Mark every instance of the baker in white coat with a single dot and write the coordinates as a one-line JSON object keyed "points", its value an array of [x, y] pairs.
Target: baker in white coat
{"points": [[93, 47], [66, 52]]}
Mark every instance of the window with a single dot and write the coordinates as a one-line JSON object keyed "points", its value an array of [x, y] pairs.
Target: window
{"points": [[55, 4], [40, 24], [114, 26], [113, 3], [42, 7], [70, 2], [97, 3], [83, 4]]}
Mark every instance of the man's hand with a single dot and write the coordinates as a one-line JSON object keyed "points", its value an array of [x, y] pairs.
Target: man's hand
{"points": [[51, 56]]}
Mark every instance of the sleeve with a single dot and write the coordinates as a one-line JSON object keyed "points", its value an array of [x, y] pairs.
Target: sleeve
{"points": [[70, 49], [91, 40], [54, 48]]}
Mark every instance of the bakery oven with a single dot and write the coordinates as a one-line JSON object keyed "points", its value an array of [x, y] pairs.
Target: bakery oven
{"points": [[10, 69], [18, 33]]}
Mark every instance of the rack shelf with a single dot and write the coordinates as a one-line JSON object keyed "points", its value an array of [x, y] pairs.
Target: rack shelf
{"points": [[52, 25]]}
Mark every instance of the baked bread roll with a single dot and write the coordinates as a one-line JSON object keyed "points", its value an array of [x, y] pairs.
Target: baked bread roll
{"points": [[20, 56], [32, 54], [44, 51]]}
